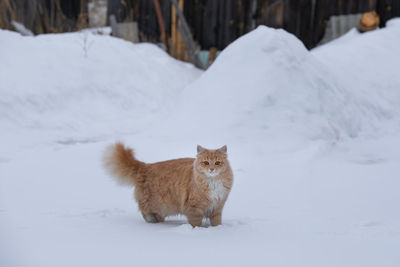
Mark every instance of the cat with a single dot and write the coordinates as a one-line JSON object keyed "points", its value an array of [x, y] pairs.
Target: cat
{"points": [[194, 187]]}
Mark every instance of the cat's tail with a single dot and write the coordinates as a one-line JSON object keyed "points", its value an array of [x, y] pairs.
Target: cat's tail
{"points": [[122, 164]]}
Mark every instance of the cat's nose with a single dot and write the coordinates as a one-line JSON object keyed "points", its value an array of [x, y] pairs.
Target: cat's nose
{"points": [[212, 169]]}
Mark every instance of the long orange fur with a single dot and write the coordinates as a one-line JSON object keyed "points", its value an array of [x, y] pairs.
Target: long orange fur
{"points": [[194, 187]]}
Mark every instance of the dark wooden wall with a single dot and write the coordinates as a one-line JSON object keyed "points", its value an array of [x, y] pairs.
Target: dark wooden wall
{"points": [[44, 16], [387, 9], [307, 19], [214, 23]]}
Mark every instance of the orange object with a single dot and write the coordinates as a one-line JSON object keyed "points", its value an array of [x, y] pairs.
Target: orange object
{"points": [[369, 21]]}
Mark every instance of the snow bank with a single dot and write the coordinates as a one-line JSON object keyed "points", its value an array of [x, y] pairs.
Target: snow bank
{"points": [[368, 65], [267, 83], [83, 84]]}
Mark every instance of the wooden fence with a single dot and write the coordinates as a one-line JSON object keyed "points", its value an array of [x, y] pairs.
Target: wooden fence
{"points": [[214, 23], [218, 23], [45, 16]]}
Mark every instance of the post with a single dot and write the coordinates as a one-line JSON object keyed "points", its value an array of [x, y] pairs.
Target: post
{"points": [[180, 46], [161, 23], [186, 34], [212, 56], [173, 30]]}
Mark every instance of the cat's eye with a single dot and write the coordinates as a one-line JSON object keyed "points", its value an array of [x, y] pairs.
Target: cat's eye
{"points": [[218, 163], [206, 163]]}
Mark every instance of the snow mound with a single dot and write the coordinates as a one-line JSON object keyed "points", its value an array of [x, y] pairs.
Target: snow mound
{"points": [[267, 81], [82, 83], [267, 84], [368, 65], [393, 22]]}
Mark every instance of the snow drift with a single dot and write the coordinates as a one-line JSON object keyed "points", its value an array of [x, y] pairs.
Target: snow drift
{"points": [[367, 65], [264, 85], [267, 81], [75, 83]]}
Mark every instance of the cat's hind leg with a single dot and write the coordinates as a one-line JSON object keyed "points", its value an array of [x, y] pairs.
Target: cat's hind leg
{"points": [[159, 217], [152, 217]]}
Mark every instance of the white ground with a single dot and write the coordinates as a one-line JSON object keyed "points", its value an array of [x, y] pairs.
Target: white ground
{"points": [[312, 138]]}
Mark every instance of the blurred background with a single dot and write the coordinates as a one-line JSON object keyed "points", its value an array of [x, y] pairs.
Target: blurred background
{"points": [[196, 30], [310, 115]]}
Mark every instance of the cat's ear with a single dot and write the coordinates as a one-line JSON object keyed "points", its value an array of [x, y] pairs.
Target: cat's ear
{"points": [[223, 150], [200, 149]]}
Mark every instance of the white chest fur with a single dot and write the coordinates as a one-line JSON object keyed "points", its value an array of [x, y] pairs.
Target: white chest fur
{"points": [[217, 191]]}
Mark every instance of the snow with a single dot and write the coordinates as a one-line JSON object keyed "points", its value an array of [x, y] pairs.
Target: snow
{"points": [[274, 85], [369, 71], [312, 138], [48, 83], [277, 84]]}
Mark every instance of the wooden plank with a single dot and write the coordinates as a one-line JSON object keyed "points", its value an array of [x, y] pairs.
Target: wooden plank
{"points": [[173, 31], [128, 31], [198, 18], [180, 45], [234, 21], [210, 30], [212, 56], [186, 34], [161, 24]]}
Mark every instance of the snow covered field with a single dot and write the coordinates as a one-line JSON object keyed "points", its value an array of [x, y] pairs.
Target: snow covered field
{"points": [[313, 139]]}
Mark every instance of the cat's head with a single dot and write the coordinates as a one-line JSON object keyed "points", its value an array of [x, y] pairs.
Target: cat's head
{"points": [[211, 162]]}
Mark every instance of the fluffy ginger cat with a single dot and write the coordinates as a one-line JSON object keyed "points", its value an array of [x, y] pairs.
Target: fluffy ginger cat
{"points": [[195, 187]]}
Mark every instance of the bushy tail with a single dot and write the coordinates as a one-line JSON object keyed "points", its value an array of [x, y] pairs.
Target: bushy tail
{"points": [[121, 163]]}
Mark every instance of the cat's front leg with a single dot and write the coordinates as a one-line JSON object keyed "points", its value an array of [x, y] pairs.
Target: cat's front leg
{"points": [[216, 215], [195, 217], [216, 218]]}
